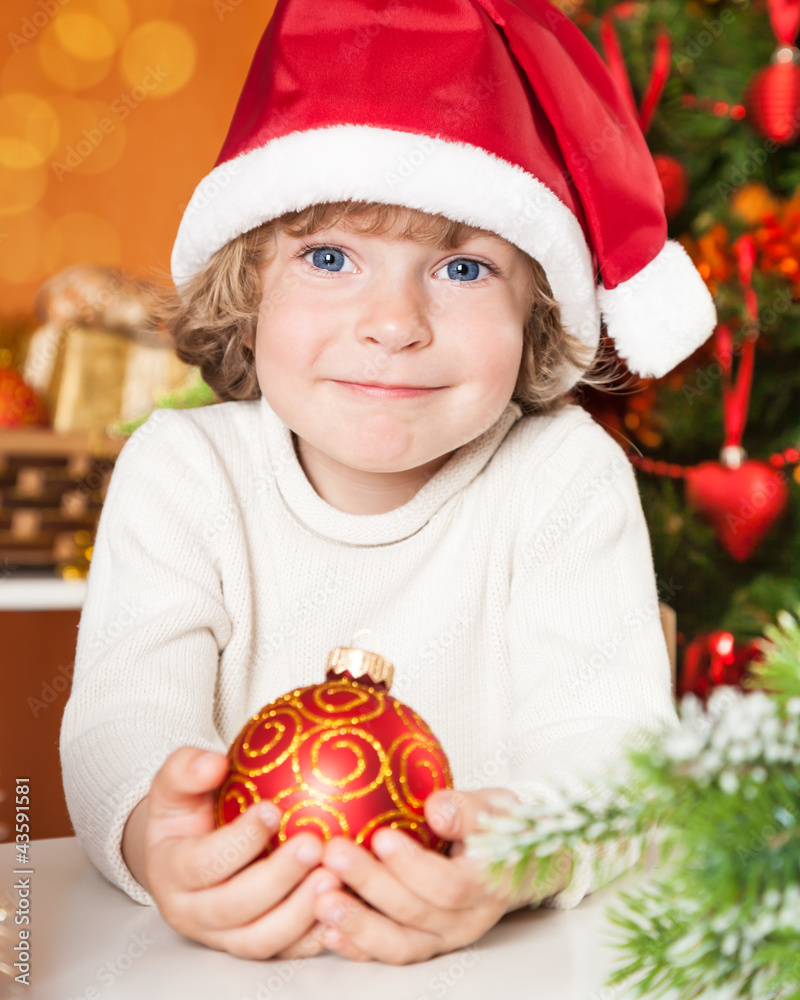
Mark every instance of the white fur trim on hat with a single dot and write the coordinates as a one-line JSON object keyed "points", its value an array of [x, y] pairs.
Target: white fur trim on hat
{"points": [[661, 315], [363, 163]]}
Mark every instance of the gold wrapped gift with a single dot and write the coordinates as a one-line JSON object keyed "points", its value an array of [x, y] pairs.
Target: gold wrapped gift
{"points": [[100, 357]]}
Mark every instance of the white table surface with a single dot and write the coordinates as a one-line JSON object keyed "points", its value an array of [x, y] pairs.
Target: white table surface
{"points": [[80, 923]]}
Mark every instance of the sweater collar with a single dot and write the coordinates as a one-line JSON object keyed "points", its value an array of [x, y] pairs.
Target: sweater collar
{"points": [[305, 504]]}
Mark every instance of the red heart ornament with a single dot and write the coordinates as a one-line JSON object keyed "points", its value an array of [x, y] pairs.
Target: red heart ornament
{"points": [[742, 504]]}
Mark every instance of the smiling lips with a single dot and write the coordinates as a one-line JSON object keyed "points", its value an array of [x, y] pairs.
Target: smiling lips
{"points": [[390, 392]]}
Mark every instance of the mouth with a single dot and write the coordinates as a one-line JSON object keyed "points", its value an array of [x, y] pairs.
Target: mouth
{"points": [[389, 391]]}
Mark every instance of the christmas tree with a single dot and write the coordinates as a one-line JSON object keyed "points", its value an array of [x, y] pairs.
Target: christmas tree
{"points": [[716, 89]]}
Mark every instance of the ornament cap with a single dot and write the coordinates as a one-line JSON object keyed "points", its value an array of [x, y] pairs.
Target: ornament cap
{"points": [[360, 663], [732, 456], [786, 54]]}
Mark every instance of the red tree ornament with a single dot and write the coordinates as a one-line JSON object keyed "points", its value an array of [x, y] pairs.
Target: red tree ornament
{"points": [[742, 502], [741, 498], [341, 758], [713, 659], [19, 404], [674, 181], [772, 97]]}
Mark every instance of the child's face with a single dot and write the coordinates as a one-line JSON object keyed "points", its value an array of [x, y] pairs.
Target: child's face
{"points": [[376, 309]]}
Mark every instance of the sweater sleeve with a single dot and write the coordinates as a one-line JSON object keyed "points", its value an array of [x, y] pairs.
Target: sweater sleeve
{"points": [[589, 663], [152, 627]]}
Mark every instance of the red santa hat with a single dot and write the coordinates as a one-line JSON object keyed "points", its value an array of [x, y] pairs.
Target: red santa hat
{"points": [[496, 113]]}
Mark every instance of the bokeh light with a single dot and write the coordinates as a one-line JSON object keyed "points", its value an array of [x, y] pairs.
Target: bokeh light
{"points": [[21, 71], [77, 237], [20, 190], [65, 69], [162, 51], [22, 246], [93, 136], [161, 76], [84, 35], [77, 47], [29, 130]]}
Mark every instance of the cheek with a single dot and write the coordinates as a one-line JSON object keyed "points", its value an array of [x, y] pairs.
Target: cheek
{"points": [[281, 344], [492, 349], [496, 319]]}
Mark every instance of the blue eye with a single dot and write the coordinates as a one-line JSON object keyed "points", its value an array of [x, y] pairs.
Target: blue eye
{"points": [[328, 258], [332, 260], [464, 269]]}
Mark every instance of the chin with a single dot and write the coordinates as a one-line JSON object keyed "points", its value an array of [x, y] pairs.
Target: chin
{"points": [[378, 463]]}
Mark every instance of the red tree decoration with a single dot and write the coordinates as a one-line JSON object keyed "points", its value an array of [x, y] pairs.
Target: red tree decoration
{"points": [[673, 176], [341, 758], [772, 97]]}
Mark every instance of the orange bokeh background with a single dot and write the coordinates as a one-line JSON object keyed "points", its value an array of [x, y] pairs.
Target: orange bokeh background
{"points": [[111, 112]]}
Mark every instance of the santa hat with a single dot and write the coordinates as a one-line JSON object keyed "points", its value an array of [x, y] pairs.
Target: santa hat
{"points": [[496, 113]]}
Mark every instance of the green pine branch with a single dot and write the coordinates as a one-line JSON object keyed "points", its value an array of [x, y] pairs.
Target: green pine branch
{"points": [[722, 794]]}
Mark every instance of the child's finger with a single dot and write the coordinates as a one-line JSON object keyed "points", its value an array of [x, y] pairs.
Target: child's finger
{"points": [[335, 940], [360, 929], [250, 894], [412, 885], [453, 814], [205, 861], [279, 926], [180, 799], [306, 946], [267, 881]]}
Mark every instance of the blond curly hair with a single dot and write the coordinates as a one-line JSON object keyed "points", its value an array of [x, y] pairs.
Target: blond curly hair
{"points": [[213, 319]]}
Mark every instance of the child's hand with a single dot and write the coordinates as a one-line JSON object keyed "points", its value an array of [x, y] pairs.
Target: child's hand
{"points": [[425, 903], [264, 911]]}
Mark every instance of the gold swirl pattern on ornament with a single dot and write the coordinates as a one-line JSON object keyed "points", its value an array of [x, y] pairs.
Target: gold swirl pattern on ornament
{"points": [[228, 793], [357, 771], [291, 698], [398, 819], [315, 820], [267, 721], [365, 703], [403, 711], [420, 742], [291, 790], [354, 793]]}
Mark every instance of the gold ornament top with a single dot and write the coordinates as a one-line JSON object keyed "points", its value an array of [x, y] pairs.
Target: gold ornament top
{"points": [[360, 663]]}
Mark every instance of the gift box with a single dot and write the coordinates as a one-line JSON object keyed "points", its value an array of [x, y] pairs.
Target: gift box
{"points": [[100, 356]]}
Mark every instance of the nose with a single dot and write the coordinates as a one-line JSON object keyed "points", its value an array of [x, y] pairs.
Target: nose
{"points": [[395, 310]]}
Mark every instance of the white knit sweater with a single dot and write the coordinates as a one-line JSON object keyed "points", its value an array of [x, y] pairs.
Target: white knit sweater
{"points": [[515, 594]]}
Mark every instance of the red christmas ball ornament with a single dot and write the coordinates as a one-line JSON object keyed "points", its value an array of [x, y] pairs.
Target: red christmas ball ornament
{"points": [[772, 97], [675, 182], [19, 404], [713, 659], [341, 758], [741, 499]]}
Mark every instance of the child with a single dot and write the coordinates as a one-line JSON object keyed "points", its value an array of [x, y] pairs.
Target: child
{"points": [[409, 195]]}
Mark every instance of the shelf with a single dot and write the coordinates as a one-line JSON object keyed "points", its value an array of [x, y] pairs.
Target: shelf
{"points": [[41, 594]]}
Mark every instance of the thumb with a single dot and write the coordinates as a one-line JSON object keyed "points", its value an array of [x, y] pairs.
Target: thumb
{"points": [[453, 814], [180, 802]]}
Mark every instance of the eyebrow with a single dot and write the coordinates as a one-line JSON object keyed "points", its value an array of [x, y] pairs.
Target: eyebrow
{"points": [[470, 234], [481, 233]]}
